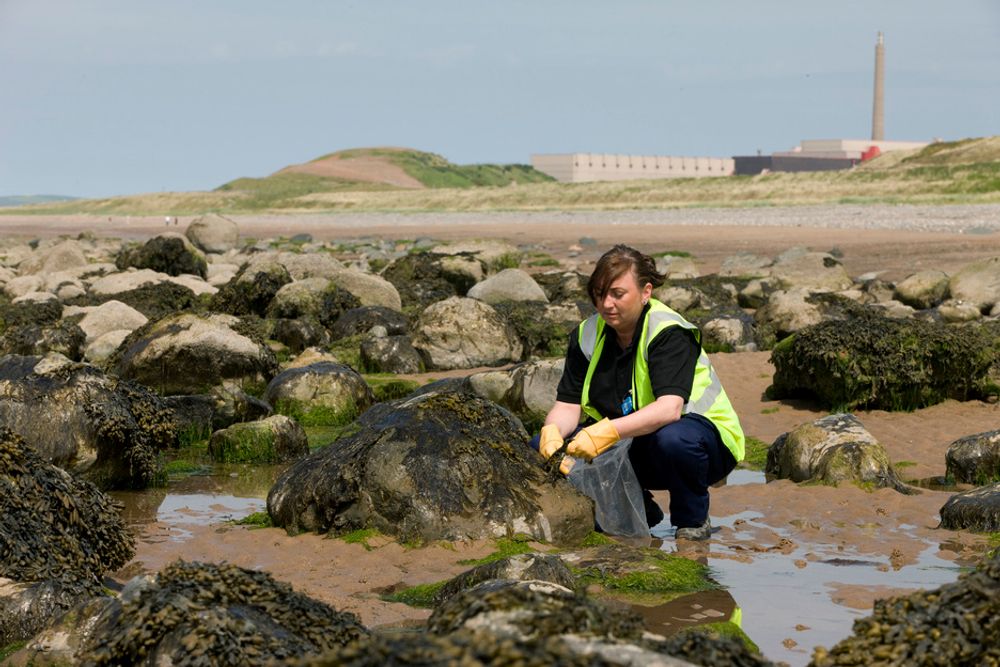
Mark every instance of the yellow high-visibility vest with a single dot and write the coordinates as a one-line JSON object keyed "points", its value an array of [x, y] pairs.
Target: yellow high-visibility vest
{"points": [[708, 398]]}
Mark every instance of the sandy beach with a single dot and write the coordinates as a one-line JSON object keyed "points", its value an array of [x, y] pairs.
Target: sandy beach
{"points": [[790, 556]]}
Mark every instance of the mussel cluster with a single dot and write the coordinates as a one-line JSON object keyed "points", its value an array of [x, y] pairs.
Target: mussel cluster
{"points": [[215, 614], [53, 526], [957, 624]]}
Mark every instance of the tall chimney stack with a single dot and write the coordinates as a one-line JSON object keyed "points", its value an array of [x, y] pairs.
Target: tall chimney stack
{"points": [[878, 110]]}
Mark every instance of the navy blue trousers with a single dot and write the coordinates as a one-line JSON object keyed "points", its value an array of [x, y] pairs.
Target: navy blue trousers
{"points": [[684, 458]]}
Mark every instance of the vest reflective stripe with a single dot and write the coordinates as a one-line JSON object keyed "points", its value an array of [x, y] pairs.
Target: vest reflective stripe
{"points": [[707, 399]]}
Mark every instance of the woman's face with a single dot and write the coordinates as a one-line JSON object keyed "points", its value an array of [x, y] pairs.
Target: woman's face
{"points": [[622, 304]]}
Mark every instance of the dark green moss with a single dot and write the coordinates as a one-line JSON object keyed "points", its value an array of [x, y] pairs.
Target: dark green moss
{"points": [[421, 595], [255, 520], [360, 536], [756, 454], [540, 336]]}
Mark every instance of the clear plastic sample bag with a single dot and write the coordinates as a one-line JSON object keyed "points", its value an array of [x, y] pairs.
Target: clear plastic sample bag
{"points": [[611, 483]]}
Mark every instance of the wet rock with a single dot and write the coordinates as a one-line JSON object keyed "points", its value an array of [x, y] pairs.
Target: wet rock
{"points": [[522, 567], [251, 290], [207, 614], [360, 320], [462, 271], [922, 290], [63, 255], [103, 347], [507, 285], [78, 418], [568, 286], [420, 280], [830, 450], [787, 312], [529, 610], [390, 354], [977, 283], [977, 510], [956, 624], [870, 361], [276, 439], [316, 298], [542, 329], [323, 392], [435, 466], [153, 299], [169, 253], [65, 338], [728, 334], [464, 333], [213, 233], [815, 271], [974, 459], [528, 390], [711, 650], [61, 639], [59, 536], [300, 333], [482, 648], [189, 353]]}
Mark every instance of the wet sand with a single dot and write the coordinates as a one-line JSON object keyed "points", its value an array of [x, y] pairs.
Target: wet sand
{"points": [[800, 561]]}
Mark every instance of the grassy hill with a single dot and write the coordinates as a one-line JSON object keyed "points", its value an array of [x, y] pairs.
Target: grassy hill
{"points": [[388, 179]]}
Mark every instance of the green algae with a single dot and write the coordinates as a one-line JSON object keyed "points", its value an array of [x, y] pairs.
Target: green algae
{"points": [[255, 520], [361, 536], [505, 548], [756, 454], [421, 595]]}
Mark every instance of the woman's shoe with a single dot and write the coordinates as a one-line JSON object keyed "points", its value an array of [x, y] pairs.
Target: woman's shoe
{"points": [[702, 532]]}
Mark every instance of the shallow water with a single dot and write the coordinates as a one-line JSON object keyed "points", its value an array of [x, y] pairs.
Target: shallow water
{"points": [[789, 602]]}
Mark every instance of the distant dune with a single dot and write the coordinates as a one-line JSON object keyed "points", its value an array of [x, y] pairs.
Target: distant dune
{"points": [[400, 179]]}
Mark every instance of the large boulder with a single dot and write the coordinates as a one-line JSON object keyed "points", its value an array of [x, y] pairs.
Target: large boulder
{"points": [[677, 267], [318, 299], [189, 353], [507, 285], [59, 536], [528, 390], [975, 459], [977, 509], [67, 254], [320, 393], [788, 311], [390, 354], [728, 333], [277, 439], [956, 624], [815, 271], [977, 283], [435, 466], [464, 333], [78, 418], [361, 320], [111, 315], [830, 450], [870, 361], [169, 252], [251, 290], [208, 614], [213, 233], [370, 289], [922, 290]]}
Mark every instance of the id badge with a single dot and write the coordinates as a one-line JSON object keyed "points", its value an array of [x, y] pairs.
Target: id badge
{"points": [[626, 405]]}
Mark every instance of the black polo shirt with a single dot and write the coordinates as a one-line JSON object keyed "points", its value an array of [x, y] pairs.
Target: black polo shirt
{"points": [[673, 357]]}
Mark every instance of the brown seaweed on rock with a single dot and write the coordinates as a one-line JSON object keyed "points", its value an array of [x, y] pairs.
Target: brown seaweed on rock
{"points": [[208, 614]]}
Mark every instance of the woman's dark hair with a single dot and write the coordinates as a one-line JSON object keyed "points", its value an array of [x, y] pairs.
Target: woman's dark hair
{"points": [[615, 263]]}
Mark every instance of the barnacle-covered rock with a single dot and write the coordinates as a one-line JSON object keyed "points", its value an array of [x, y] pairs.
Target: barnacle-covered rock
{"points": [[832, 449], [975, 459], [870, 361], [957, 624], [521, 567], [187, 353], [977, 509], [208, 614], [59, 535], [320, 393], [63, 337], [434, 466], [77, 417]]}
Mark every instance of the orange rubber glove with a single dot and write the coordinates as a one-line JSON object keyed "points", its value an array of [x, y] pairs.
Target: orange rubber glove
{"points": [[593, 440], [550, 440]]}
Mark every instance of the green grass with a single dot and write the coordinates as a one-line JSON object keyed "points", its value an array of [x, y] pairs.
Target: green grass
{"points": [[255, 520], [904, 464], [770, 411], [595, 539], [756, 454], [665, 574], [421, 595], [11, 649], [506, 547], [435, 171], [361, 536]]}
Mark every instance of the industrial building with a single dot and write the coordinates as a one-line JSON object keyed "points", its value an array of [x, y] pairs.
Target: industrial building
{"points": [[809, 155]]}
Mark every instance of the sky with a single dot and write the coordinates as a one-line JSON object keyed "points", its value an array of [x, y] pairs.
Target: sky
{"points": [[109, 97]]}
